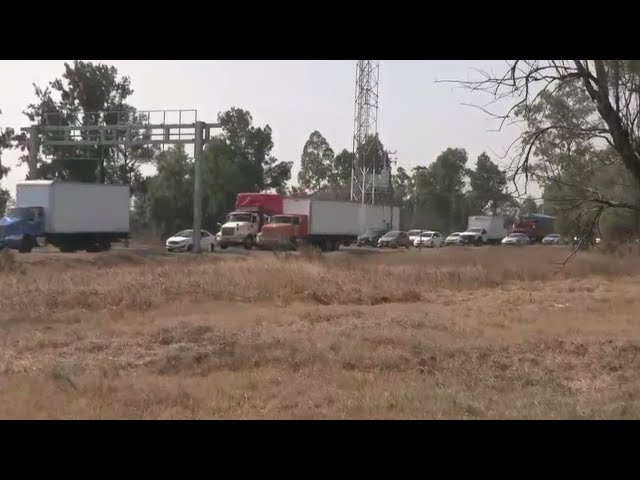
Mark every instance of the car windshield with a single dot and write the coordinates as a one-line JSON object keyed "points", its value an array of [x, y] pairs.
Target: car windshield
{"points": [[414, 233], [516, 235], [553, 235], [281, 220], [239, 217], [372, 232], [427, 234], [392, 234], [454, 235], [184, 233], [475, 230]]}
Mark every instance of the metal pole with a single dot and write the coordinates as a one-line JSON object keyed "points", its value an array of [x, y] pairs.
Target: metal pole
{"points": [[33, 152], [197, 191]]}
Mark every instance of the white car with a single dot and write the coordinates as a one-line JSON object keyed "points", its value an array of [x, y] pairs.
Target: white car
{"points": [[183, 241], [453, 239], [414, 235], [516, 239], [430, 240]]}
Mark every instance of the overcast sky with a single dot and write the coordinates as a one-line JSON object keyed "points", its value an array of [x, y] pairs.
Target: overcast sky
{"points": [[417, 117]]}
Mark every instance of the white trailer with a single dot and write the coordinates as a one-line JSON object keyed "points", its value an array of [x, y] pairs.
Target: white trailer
{"points": [[72, 216]]}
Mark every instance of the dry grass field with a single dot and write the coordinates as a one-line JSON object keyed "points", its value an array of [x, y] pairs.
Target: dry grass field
{"points": [[454, 333]]}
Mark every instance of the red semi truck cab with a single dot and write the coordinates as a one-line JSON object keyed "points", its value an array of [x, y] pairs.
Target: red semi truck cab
{"points": [[284, 230]]}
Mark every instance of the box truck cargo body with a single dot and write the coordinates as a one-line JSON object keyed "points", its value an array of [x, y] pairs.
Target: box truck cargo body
{"points": [[324, 223], [70, 216]]}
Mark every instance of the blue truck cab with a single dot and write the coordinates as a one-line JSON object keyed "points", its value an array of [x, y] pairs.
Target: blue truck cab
{"points": [[19, 223]]}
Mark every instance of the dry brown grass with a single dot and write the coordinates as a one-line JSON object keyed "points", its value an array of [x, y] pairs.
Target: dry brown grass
{"points": [[453, 333]]}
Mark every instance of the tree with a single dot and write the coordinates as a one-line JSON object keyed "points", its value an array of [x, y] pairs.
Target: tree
{"points": [[340, 176], [76, 98], [594, 102], [439, 198], [487, 184], [6, 136], [167, 204], [528, 206], [316, 163], [240, 160]]}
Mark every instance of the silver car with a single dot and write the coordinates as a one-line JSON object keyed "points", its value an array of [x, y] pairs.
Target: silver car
{"points": [[516, 239]]}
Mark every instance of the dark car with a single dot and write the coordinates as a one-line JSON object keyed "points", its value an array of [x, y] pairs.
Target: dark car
{"points": [[395, 239], [370, 237]]}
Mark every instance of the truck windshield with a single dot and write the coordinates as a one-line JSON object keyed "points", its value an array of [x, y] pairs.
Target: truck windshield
{"points": [[281, 220], [239, 217], [23, 213]]}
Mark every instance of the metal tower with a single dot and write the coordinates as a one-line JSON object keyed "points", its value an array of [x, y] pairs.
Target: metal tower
{"points": [[366, 175]]}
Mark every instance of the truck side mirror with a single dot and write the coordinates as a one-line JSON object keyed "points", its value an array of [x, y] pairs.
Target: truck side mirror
{"points": [[218, 224]]}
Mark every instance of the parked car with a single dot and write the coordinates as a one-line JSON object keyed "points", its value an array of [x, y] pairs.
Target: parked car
{"points": [[415, 234], [516, 239], [183, 241], [429, 239], [370, 237], [453, 239], [552, 239], [394, 239]]}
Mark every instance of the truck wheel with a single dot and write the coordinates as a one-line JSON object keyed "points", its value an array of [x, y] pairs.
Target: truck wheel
{"points": [[293, 244], [223, 246], [248, 243], [212, 247], [26, 245]]}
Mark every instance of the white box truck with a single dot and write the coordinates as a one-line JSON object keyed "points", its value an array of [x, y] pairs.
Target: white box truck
{"points": [[324, 223], [484, 229], [67, 215]]}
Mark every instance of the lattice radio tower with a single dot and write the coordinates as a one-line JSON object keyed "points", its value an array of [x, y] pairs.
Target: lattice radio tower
{"points": [[365, 174]]}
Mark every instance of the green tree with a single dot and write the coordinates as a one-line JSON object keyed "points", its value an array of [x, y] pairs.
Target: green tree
{"points": [[75, 98], [240, 160], [487, 184], [440, 201], [316, 163], [528, 206], [167, 203], [6, 136], [340, 177]]}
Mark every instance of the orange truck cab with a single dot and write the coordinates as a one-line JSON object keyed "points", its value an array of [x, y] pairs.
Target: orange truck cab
{"points": [[286, 230]]}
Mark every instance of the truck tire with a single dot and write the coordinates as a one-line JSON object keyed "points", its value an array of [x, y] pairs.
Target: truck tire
{"points": [[223, 246], [26, 244], [293, 244], [248, 243]]}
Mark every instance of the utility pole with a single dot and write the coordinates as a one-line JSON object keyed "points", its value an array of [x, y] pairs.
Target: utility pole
{"points": [[197, 187]]}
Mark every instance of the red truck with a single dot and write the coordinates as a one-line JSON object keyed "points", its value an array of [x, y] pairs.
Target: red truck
{"points": [[252, 211], [535, 226]]}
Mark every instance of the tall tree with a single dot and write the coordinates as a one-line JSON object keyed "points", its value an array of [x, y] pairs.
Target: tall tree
{"points": [[340, 177], [83, 90], [610, 112], [316, 163], [167, 204], [487, 184], [528, 206], [240, 159], [6, 136], [439, 186]]}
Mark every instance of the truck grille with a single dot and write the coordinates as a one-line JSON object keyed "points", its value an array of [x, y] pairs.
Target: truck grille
{"points": [[228, 231]]}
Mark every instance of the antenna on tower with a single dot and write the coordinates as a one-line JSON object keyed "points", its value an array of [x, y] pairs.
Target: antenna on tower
{"points": [[366, 176]]}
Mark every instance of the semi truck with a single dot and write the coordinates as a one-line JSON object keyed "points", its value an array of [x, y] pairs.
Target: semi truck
{"points": [[484, 229], [535, 226], [70, 216], [252, 211], [325, 224]]}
